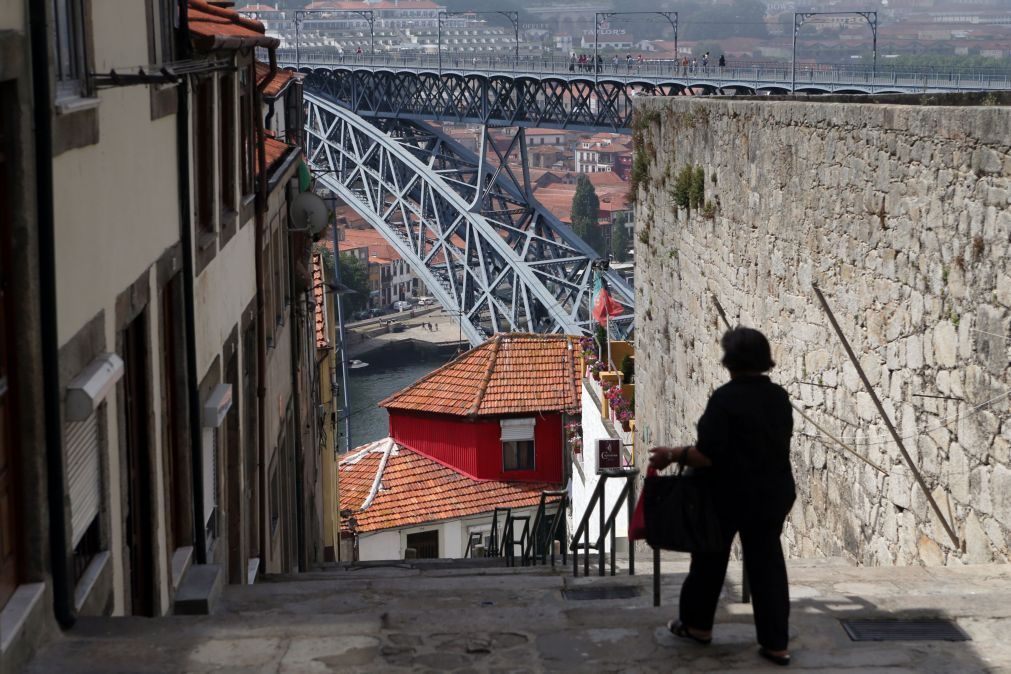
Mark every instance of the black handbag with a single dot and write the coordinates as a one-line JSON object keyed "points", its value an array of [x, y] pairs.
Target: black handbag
{"points": [[680, 513]]}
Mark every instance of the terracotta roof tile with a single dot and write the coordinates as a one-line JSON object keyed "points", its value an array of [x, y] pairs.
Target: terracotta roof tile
{"points": [[275, 150], [511, 373], [414, 488], [214, 27], [276, 84]]}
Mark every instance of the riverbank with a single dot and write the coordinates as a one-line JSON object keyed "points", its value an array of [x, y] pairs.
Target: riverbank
{"points": [[427, 329]]}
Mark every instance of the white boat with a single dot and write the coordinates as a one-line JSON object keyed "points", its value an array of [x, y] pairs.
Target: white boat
{"points": [[355, 364]]}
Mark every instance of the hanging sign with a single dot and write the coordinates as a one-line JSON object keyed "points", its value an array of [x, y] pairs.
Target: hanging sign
{"points": [[608, 454]]}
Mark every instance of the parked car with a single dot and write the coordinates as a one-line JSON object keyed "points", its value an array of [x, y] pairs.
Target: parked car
{"points": [[401, 305], [426, 301]]}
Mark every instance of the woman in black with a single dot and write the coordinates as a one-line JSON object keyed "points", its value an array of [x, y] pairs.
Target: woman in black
{"points": [[743, 447]]}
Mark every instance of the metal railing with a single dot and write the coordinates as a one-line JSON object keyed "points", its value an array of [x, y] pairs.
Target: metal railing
{"points": [[606, 521], [535, 539], [547, 529], [772, 74]]}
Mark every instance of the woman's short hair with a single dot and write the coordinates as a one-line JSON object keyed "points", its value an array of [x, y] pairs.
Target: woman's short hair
{"points": [[746, 350]]}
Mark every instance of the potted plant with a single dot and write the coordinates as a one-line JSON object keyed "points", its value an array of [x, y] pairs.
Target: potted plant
{"points": [[595, 368]]}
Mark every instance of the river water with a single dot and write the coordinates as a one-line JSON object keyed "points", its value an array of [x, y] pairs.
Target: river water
{"points": [[391, 368]]}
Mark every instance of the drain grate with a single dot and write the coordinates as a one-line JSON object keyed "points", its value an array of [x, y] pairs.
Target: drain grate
{"points": [[604, 592], [904, 630]]}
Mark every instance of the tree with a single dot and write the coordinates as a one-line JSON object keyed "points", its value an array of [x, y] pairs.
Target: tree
{"points": [[620, 240], [586, 213]]}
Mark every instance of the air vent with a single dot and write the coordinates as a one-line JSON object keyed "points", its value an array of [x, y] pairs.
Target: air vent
{"points": [[904, 630], [601, 592]]}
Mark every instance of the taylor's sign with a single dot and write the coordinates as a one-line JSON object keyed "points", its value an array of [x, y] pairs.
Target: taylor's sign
{"points": [[608, 454]]}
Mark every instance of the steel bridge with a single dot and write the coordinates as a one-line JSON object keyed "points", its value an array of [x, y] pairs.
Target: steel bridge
{"points": [[544, 93], [470, 228]]}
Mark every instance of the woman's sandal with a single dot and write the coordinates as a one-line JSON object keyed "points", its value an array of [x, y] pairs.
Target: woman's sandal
{"points": [[781, 660], [679, 629]]}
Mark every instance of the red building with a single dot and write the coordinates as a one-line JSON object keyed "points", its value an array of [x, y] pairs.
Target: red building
{"points": [[495, 412]]}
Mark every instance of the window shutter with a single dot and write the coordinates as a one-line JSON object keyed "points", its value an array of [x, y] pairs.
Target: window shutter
{"points": [[210, 471], [517, 429], [83, 474]]}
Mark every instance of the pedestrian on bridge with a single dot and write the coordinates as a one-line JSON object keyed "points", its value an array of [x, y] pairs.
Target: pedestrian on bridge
{"points": [[572, 62], [742, 453], [723, 62], [614, 62]]}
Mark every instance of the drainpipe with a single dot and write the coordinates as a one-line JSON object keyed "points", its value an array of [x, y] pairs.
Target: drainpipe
{"points": [[261, 329], [189, 309], [296, 344], [63, 600], [189, 306]]}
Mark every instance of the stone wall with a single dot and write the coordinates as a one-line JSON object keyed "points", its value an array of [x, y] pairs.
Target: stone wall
{"points": [[900, 213]]}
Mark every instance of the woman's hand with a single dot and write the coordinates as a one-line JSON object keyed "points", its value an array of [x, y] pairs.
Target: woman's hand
{"points": [[661, 457]]}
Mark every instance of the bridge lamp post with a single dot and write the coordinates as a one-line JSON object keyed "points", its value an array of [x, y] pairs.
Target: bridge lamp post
{"points": [[366, 14], [800, 18], [600, 18], [514, 19]]}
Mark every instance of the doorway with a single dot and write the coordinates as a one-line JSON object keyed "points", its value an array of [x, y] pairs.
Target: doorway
{"points": [[139, 529], [234, 482], [425, 544], [8, 500]]}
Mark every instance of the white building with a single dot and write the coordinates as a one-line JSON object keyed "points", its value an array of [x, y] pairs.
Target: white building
{"points": [[402, 500]]}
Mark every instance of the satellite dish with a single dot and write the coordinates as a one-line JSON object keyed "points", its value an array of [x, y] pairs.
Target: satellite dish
{"points": [[308, 214]]}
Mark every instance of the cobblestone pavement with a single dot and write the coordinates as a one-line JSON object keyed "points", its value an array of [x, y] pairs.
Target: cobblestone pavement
{"points": [[441, 617]]}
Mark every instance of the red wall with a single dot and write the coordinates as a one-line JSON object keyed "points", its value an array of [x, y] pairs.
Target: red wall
{"points": [[474, 447]]}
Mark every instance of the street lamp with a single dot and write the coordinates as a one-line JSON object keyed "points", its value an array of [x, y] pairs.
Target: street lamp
{"points": [[800, 18], [514, 19], [367, 14], [600, 18]]}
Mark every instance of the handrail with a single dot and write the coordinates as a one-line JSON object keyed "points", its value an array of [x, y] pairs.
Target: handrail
{"points": [[538, 545], [470, 543], [493, 543], [606, 523]]}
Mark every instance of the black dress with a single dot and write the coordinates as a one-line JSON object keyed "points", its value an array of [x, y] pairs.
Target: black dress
{"points": [[745, 431]]}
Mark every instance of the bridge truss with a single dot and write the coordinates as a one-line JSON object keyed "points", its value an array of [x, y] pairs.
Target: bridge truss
{"points": [[469, 228]]}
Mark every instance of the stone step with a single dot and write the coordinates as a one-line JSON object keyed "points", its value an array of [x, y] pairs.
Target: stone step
{"points": [[200, 589]]}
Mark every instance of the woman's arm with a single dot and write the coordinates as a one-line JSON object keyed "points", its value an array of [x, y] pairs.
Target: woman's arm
{"points": [[661, 457]]}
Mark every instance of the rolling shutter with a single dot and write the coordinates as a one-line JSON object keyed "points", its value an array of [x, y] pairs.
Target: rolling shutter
{"points": [[83, 474], [517, 429]]}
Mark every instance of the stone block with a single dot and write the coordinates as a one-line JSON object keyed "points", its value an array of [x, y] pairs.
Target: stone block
{"points": [[929, 552], [1001, 494], [977, 545], [945, 342]]}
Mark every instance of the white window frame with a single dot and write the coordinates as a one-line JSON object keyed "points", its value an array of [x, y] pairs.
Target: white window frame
{"points": [[515, 431], [70, 44]]}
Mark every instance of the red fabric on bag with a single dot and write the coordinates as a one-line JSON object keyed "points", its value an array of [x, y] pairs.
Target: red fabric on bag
{"points": [[637, 527]]}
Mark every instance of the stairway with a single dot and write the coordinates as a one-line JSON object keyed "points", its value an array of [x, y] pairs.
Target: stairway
{"points": [[480, 615]]}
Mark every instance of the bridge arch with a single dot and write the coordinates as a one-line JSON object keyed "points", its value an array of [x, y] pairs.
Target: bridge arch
{"points": [[465, 227]]}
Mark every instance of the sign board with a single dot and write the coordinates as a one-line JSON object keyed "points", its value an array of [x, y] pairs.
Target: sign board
{"points": [[608, 454]]}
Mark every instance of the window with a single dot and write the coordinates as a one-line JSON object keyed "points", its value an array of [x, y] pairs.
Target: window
{"points": [[518, 455], [227, 144], [517, 444], [424, 544], [71, 68], [246, 129], [275, 498], [162, 16], [203, 140]]}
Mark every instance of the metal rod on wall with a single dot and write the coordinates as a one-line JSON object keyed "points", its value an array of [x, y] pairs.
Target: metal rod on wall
{"points": [[884, 415]]}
